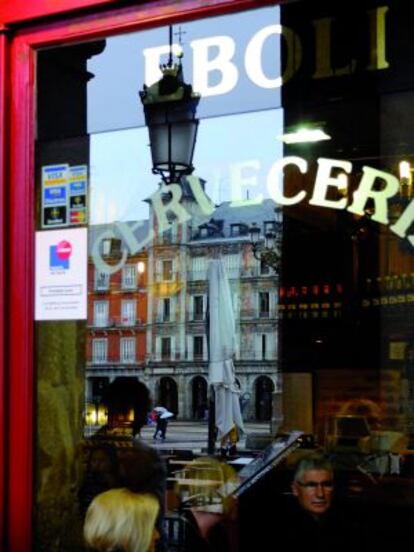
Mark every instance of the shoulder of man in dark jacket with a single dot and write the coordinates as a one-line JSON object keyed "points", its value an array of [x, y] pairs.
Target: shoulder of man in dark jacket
{"points": [[288, 524]]}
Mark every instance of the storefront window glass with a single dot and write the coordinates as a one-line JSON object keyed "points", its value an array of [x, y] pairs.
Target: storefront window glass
{"points": [[302, 185]]}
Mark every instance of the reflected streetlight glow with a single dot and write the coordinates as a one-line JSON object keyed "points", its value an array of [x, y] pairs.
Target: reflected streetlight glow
{"points": [[141, 267], [303, 135]]}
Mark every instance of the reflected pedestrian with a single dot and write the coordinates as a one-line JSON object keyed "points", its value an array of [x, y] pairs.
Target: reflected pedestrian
{"points": [[161, 426], [158, 425]]}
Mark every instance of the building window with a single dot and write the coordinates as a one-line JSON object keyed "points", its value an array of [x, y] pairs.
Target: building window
{"points": [[100, 313], [269, 226], [264, 304], [101, 280], [264, 267], [128, 309], [98, 387], [199, 268], [263, 346], [127, 349], [166, 310], [198, 306], [166, 348], [198, 346], [167, 236], [129, 278], [106, 246], [235, 230], [167, 270], [99, 350], [238, 230], [111, 247]]}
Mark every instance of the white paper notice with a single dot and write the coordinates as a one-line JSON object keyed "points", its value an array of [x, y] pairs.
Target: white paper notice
{"points": [[61, 274]]}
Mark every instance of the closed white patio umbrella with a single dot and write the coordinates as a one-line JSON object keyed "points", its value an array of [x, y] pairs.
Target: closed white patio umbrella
{"points": [[222, 346]]}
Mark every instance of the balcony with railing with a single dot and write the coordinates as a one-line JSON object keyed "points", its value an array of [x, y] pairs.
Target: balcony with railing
{"points": [[257, 272], [127, 359], [99, 358], [116, 322], [101, 283], [129, 284], [164, 319], [100, 363], [101, 322], [197, 275], [126, 321], [165, 276], [251, 314], [101, 288], [197, 317]]}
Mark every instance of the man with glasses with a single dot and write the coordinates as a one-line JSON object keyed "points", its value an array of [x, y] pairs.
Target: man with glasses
{"points": [[313, 485], [307, 519], [313, 517]]}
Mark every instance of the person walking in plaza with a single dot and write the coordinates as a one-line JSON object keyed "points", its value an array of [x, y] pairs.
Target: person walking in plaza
{"points": [[162, 423], [158, 425]]}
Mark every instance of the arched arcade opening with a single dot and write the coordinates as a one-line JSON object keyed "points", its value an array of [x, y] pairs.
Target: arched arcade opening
{"points": [[199, 398], [168, 394], [264, 389], [127, 401]]}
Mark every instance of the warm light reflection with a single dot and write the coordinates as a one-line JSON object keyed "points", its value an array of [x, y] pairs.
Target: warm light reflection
{"points": [[91, 416], [102, 418], [96, 415], [342, 183], [404, 169], [302, 135], [141, 267]]}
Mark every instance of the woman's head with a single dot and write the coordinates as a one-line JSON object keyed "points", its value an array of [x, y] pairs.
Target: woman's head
{"points": [[121, 520]]}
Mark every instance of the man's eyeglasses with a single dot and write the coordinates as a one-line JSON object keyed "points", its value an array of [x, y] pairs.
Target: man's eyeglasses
{"points": [[312, 485]]}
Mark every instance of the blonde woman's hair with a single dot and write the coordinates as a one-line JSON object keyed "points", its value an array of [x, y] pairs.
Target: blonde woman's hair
{"points": [[119, 519]]}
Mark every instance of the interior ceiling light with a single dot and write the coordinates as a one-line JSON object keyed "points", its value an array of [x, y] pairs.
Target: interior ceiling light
{"points": [[404, 169], [303, 135]]}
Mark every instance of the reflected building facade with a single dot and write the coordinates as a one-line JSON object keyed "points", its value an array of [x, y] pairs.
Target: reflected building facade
{"points": [[162, 339]]}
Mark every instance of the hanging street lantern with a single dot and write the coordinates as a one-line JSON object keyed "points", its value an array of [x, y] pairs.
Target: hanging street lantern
{"points": [[170, 115], [269, 251]]}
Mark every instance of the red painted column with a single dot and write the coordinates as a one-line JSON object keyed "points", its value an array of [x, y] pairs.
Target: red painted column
{"points": [[20, 263], [3, 142]]}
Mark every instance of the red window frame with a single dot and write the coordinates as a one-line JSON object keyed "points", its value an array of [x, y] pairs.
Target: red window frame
{"points": [[3, 130], [17, 135]]}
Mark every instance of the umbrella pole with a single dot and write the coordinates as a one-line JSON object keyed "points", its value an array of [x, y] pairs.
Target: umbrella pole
{"points": [[211, 448], [211, 436]]}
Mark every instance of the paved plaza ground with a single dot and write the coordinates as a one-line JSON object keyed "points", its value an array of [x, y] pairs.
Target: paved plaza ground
{"points": [[184, 435], [194, 435]]}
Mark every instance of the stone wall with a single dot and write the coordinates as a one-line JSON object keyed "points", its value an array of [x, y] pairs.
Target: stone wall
{"points": [[60, 394]]}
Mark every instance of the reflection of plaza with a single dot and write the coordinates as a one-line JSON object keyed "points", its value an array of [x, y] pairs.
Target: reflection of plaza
{"points": [[151, 326]]}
